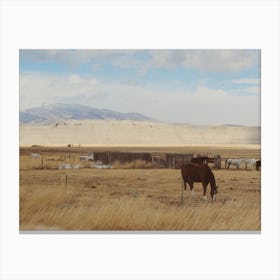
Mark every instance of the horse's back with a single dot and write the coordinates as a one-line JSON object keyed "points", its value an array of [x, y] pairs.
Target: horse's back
{"points": [[197, 172]]}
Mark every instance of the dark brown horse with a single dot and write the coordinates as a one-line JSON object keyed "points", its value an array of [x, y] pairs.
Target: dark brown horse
{"points": [[258, 164], [199, 173]]}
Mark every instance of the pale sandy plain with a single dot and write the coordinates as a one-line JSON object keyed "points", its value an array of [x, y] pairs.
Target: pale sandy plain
{"points": [[127, 133]]}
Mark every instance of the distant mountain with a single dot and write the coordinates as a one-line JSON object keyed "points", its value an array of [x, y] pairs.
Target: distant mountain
{"points": [[58, 112]]}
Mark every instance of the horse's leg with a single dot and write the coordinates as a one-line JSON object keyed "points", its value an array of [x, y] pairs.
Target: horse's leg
{"points": [[184, 182], [190, 182], [214, 196], [213, 190], [204, 185], [237, 166]]}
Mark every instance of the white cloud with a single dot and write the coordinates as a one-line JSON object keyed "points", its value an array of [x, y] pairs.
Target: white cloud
{"points": [[211, 106], [246, 81], [203, 93], [36, 89], [253, 90], [75, 79], [78, 57], [202, 106], [206, 60]]}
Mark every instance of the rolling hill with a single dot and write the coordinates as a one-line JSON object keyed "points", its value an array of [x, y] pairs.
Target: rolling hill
{"points": [[62, 112]]}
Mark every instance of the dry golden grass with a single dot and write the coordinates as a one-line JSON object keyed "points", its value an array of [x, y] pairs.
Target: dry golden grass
{"points": [[135, 199]]}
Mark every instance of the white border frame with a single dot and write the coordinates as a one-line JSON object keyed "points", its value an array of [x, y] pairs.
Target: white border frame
{"points": [[156, 24]]}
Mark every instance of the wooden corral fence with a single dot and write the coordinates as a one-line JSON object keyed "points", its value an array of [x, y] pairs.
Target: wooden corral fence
{"points": [[157, 160], [217, 162], [111, 157], [177, 160]]}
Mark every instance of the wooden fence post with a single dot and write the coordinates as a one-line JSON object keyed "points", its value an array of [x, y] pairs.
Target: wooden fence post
{"points": [[134, 159], [42, 163]]}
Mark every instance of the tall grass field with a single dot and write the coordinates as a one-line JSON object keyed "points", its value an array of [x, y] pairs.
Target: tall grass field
{"points": [[134, 199]]}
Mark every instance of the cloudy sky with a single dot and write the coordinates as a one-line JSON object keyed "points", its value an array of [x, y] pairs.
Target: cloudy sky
{"points": [[185, 86]]}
